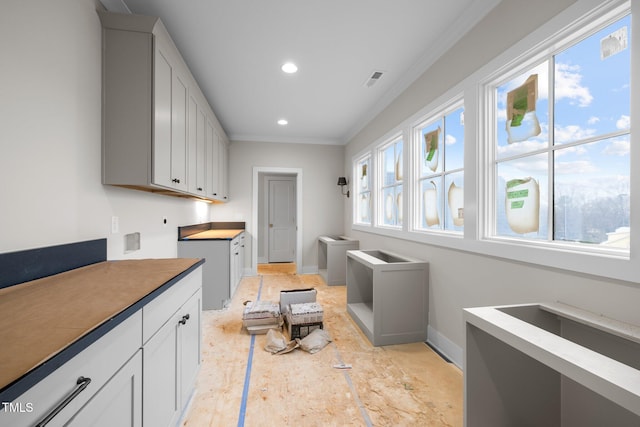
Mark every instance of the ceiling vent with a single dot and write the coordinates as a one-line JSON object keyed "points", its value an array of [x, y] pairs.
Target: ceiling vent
{"points": [[373, 78]]}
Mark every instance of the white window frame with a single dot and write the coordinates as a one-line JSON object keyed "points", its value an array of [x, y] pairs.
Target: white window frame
{"points": [[356, 189], [477, 155], [566, 255], [380, 187], [416, 157]]}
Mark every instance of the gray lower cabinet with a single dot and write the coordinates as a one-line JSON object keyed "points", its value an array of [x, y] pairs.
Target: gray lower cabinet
{"points": [[119, 402], [222, 270], [170, 364], [332, 258], [388, 296], [141, 373]]}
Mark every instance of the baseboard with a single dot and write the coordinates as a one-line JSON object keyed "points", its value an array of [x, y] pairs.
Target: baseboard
{"points": [[445, 346], [309, 269]]}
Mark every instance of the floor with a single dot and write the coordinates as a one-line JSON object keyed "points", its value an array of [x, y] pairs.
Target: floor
{"points": [[242, 384]]}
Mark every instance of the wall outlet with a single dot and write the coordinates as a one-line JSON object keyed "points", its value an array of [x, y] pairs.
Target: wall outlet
{"points": [[115, 225]]}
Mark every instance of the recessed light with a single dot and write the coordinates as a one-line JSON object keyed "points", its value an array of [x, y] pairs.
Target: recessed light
{"points": [[289, 68], [283, 122]]}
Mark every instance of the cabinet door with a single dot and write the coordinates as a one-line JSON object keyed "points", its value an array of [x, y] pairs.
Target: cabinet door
{"points": [[170, 122], [179, 94], [213, 190], [190, 345], [161, 399], [162, 119], [196, 147], [118, 403], [223, 167]]}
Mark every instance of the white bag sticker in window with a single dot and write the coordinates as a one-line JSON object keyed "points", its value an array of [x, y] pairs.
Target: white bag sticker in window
{"points": [[523, 205], [522, 122], [431, 205], [456, 204]]}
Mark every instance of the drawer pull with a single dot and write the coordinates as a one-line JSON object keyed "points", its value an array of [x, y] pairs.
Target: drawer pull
{"points": [[82, 383], [184, 319]]}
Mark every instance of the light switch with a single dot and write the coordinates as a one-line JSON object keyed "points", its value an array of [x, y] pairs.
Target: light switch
{"points": [[115, 225]]}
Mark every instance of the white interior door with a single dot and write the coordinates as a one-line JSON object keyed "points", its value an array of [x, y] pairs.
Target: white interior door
{"points": [[282, 220]]}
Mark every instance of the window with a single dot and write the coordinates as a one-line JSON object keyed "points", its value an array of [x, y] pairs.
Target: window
{"points": [[391, 165], [363, 192], [439, 147], [562, 144]]}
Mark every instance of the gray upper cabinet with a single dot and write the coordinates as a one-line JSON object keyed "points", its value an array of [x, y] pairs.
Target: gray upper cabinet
{"points": [[159, 132]]}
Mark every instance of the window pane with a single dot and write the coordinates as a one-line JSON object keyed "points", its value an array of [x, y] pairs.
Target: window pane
{"points": [[399, 161], [523, 113], [389, 165], [522, 197], [389, 206], [430, 152], [454, 140], [592, 85], [399, 210], [431, 203], [363, 197], [592, 193], [454, 206], [364, 168], [364, 208]]}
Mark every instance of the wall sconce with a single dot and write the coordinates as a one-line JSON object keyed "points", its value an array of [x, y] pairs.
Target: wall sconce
{"points": [[342, 181]]}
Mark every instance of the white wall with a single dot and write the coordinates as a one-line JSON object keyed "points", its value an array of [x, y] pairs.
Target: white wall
{"points": [[460, 279], [322, 202], [50, 126]]}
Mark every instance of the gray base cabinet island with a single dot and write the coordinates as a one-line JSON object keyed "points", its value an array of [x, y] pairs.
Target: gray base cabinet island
{"points": [[388, 296]]}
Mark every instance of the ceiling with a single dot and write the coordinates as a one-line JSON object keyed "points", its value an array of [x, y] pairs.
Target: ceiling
{"points": [[235, 50]]}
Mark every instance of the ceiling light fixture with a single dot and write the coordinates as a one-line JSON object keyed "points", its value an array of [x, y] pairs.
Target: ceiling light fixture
{"points": [[289, 67], [283, 122]]}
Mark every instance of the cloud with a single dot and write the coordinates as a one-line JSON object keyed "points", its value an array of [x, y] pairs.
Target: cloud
{"points": [[449, 139], [593, 120], [568, 84], [624, 122], [618, 147], [572, 133]]}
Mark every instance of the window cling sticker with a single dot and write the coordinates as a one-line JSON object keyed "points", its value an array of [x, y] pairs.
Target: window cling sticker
{"points": [[456, 204], [614, 43], [523, 205], [431, 141], [430, 200], [522, 122]]}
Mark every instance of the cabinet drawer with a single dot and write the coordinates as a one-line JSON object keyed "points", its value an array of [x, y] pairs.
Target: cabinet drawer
{"points": [[98, 362], [157, 312]]}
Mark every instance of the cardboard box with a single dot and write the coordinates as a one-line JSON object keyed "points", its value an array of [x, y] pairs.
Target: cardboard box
{"points": [[296, 296], [261, 310], [302, 330], [309, 312]]}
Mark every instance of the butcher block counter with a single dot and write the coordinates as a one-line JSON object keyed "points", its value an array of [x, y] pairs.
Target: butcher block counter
{"points": [[211, 231], [41, 319], [224, 234]]}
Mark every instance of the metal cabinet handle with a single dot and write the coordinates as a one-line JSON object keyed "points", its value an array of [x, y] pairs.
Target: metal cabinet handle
{"points": [[199, 188], [176, 180], [184, 319], [82, 383]]}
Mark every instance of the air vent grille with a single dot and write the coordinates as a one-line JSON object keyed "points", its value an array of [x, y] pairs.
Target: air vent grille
{"points": [[373, 78]]}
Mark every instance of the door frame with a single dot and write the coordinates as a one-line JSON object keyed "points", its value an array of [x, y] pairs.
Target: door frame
{"points": [[297, 172]]}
